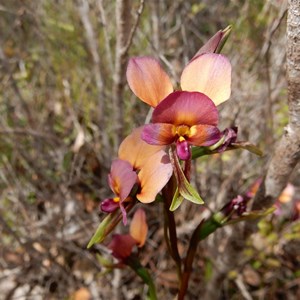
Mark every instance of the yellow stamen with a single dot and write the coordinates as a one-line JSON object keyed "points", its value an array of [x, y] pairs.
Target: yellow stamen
{"points": [[183, 131], [116, 199]]}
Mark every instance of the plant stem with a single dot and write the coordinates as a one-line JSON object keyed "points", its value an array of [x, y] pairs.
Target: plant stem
{"points": [[204, 229], [170, 226], [134, 263], [188, 263]]}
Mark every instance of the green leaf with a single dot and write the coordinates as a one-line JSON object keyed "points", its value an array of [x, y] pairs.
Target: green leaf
{"points": [[104, 228], [252, 215], [188, 192], [184, 187], [207, 227], [177, 200], [247, 146], [200, 151], [108, 224]]}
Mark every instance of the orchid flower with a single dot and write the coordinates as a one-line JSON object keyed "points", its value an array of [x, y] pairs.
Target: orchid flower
{"points": [[122, 244], [139, 163], [184, 118], [151, 162], [187, 117], [121, 180]]}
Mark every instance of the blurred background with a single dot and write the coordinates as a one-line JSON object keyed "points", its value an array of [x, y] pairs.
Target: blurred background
{"points": [[64, 108]]}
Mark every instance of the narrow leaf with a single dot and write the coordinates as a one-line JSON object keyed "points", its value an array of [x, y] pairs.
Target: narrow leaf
{"points": [[101, 231], [184, 187], [247, 146], [252, 215], [177, 200], [188, 192]]}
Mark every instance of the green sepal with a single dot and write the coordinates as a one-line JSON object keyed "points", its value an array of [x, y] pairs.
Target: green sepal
{"points": [[226, 33], [176, 201]]}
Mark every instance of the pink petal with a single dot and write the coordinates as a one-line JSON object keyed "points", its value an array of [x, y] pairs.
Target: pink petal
{"points": [[122, 178], [121, 245], [159, 134], [186, 108], [154, 176], [148, 80], [134, 150], [209, 74], [204, 135], [139, 227]]}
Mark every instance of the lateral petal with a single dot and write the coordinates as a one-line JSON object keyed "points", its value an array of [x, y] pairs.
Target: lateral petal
{"points": [[122, 178], [154, 176], [204, 135], [148, 80], [158, 134], [210, 74]]}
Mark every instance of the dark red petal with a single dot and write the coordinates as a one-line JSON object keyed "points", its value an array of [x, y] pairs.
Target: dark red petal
{"points": [[186, 108], [121, 245]]}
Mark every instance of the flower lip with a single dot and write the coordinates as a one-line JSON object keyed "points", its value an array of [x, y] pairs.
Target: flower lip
{"points": [[183, 149], [109, 205]]}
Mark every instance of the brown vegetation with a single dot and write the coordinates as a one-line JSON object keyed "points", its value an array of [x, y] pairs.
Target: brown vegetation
{"points": [[65, 106]]}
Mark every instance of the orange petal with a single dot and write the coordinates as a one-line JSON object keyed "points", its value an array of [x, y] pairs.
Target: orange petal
{"points": [[209, 74], [134, 150], [139, 227], [154, 176], [148, 80]]}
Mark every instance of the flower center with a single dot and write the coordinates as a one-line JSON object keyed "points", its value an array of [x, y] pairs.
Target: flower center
{"points": [[182, 131]]}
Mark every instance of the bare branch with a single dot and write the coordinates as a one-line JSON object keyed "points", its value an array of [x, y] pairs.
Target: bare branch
{"points": [[125, 33], [106, 35], [83, 10]]}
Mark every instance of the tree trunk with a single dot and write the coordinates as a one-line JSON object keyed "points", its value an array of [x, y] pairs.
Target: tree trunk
{"points": [[285, 158]]}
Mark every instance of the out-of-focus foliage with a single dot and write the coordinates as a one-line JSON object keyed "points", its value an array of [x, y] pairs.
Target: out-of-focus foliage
{"points": [[59, 133]]}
